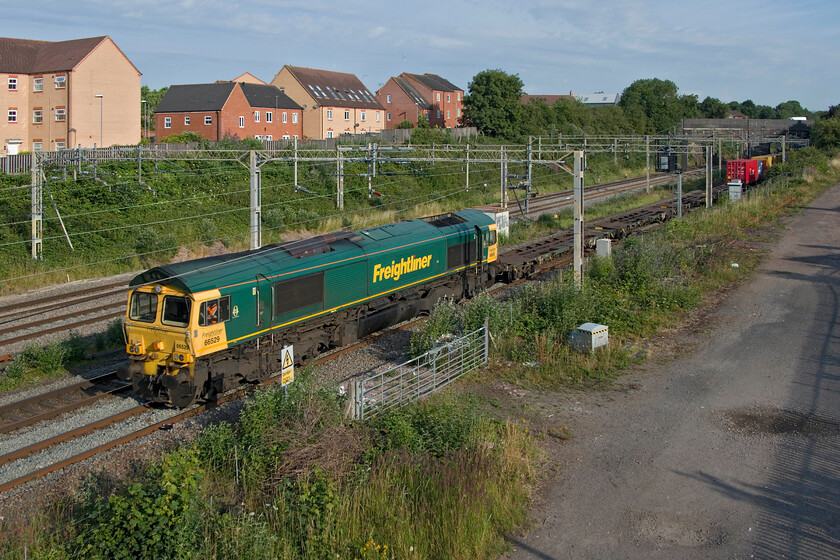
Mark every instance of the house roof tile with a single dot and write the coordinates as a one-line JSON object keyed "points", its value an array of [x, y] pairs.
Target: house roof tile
{"points": [[190, 98], [267, 97], [30, 57], [412, 93], [433, 82], [338, 89]]}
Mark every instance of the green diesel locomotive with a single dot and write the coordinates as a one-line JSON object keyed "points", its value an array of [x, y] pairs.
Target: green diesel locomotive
{"points": [[198, 328]]}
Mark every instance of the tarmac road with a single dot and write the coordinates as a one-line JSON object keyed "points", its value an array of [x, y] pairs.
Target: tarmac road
{"points": [[732, 451]]}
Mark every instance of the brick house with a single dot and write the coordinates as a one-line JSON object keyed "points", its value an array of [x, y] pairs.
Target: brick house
{"points": [[333, 103], [402, 102], [241, 110], [56, 95], [444, 99]]}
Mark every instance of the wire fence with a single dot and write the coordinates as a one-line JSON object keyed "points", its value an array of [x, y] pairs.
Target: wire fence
{"points": [[399, 386]]}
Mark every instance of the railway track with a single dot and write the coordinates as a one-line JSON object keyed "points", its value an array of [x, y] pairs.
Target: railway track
{"points": [[545, 254]]}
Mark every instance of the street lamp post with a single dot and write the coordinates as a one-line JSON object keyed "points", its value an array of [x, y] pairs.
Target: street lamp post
{"points": [[145, 118], [99, 95]]}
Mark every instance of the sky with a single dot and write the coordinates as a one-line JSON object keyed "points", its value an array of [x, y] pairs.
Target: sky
{"points": [[769, 51]]}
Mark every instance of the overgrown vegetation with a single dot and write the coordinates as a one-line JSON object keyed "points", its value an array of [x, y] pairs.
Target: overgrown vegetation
{"points": [[294, 480], [645, 286], [36, 363]]}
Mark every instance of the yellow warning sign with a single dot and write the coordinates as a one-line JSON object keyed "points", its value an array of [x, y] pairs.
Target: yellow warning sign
{"points": [[288, 370]]}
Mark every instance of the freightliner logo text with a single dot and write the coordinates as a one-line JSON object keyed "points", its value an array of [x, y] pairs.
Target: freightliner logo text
{"points": [[397, 269]]}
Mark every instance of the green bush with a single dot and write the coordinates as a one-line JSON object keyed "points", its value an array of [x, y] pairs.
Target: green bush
{"points": [[150, 519]]}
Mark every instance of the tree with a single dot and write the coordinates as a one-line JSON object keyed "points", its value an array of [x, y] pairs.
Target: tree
{"points": [[826, 131], [152, 98], [713, 108], [405, 124], [789, 109], [659, 101], [493, 104]]}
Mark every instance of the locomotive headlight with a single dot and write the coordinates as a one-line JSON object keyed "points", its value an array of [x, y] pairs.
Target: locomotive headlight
{"points": [[181, 357]]}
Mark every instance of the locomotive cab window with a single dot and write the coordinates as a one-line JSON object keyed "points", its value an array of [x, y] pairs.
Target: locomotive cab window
{"points": [[214, 311], [143, 307], [176, 311], [490, 237]]}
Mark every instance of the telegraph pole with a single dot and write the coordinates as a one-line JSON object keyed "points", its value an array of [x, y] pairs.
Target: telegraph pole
{"points": [[528, 184], [37, 209], [647, 163], [503, 159], [339, 178], [708, 176], [468, 168], [256, 203], [578, 238]]}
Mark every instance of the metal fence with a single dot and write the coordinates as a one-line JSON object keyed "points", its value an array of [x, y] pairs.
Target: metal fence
{"points": [[392, 389], [14, 164]]}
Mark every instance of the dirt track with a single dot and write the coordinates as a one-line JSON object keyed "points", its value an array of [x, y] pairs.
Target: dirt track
{"points": [[732, 450]]}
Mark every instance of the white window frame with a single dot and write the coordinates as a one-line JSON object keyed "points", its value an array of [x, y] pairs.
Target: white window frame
{"points": [[438, 96], [294, 118], [37, 146], [285, 118], [329, 134], [448, 97], [60, 145], [286, 137], [448, 114], [346, 115], [458, 112], [256, 117], [378, 116], [458, 96], [258, 137], [329, 116], [269, 137], [388, 98], [12, 116], [13, 84], [269, 116], [389, 116], [241, 122], [208, 119], [167, 122], [294, 136], [60, 114], [438, 114], [60, 82], [363, 116], [38, 84], [37, 116], [186, 121]]}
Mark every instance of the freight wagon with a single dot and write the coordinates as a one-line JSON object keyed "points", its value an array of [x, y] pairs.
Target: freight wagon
{"points": [[748, 171]]}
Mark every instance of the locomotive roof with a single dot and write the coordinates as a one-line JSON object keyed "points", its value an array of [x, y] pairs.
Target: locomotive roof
{"points": [[294, 257]]}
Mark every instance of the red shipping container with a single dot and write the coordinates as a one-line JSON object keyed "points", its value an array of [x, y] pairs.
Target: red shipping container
{"points": [[747, 170]]}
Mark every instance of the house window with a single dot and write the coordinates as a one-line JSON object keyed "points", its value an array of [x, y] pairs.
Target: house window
{"points": [[447, 97], [364, 116], [167, 122], [329, 134], [60, 114], [268, 137], [458, 96], [377, 116], [12, 115], [37, 116], [285, 137], [269, 116], [346, 115], [37, 146], [60, 82], [294, 118], [438, 114], [208, 120], [294, 136], [285, 118], [458, 112], [186, 121], [388, 98], [38, 84], [241, 122], [329, 116], [258, 137], [389, 116], [60, 145], [257, 116], [438, 96], [447, 114], [13, 84]]}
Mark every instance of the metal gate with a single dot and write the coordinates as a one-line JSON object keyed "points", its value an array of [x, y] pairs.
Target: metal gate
{"points": [[421, 376]]}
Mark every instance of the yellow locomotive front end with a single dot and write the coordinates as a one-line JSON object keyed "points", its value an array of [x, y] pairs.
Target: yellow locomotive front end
{"points": [[161, 352]]}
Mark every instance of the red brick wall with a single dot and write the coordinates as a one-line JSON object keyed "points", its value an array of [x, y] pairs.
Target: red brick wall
{"points": [[442, 105], [226, 123], [401, 106]]}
